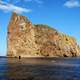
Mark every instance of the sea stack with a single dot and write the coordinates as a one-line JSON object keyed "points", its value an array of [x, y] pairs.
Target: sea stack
{"points": [[21, 40], [27, 40]]}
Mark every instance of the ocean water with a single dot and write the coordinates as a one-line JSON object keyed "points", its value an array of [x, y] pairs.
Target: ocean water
{"points": [[40, 69]]}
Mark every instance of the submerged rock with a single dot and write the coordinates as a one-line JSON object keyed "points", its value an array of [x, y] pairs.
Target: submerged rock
{"points": [[28, 40]]}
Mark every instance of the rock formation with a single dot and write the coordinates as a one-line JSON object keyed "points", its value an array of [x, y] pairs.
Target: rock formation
{"points": [[21, 40], [53, 43], [28, 40]]}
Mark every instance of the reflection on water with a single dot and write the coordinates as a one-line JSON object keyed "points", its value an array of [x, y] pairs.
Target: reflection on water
{"points": [[40, 69]]}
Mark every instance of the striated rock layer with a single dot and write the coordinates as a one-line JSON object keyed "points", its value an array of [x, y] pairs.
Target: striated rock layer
{"points": [[28, 40], [21, 40]]}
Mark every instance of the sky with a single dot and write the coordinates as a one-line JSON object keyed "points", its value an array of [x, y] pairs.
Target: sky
{"points": [[63, 15]]}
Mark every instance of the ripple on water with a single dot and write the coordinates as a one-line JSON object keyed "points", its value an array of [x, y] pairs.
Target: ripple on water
{"points": [[40, 69]]}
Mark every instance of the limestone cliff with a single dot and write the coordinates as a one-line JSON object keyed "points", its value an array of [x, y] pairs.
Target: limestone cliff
{"points": [[21, 40], [53, 43], [28, 40]]}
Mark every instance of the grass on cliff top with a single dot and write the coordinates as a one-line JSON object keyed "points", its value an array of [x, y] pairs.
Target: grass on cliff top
{"points": [[64, 35], [44, 26]]}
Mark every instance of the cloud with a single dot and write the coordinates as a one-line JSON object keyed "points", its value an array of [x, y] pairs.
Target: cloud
{"points": [[10, 7], [37, 1], [72, 3], [17, 1], [28, 0]]}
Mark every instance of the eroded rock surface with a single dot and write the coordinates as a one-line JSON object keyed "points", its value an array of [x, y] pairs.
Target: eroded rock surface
{"points": [[21, 40], [28, 40], [54, 44]]}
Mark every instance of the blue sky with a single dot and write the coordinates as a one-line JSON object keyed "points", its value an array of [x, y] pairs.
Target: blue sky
{"points": [[63, 15]]}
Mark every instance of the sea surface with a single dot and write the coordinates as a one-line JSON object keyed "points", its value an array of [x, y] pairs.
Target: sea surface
{"points": [[40, 69]]}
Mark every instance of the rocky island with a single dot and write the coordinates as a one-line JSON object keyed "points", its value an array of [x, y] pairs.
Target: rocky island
{"points": [[37, 40]]}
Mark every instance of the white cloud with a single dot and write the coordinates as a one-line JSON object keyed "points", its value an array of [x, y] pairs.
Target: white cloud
{"points": [[10, 7], [37, 1], [28, 0], [72, 3]]}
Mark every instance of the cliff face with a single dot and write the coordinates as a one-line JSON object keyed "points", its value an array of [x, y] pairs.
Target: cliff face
{"points": [[52, 43], [21, 40], [27, 40]]}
